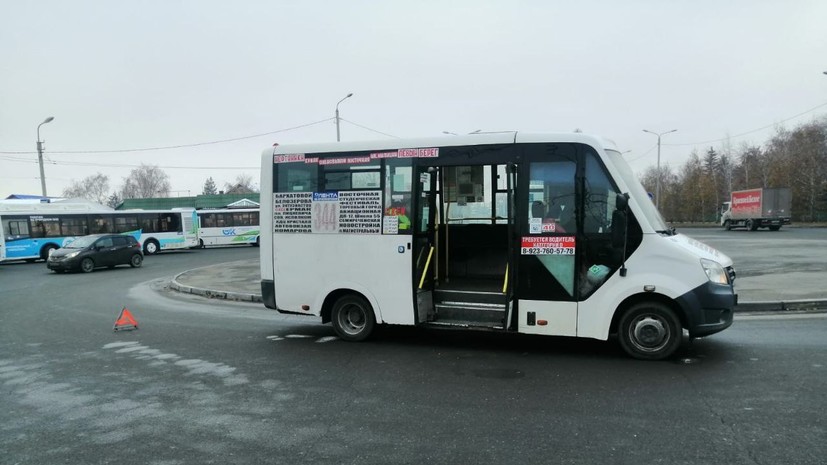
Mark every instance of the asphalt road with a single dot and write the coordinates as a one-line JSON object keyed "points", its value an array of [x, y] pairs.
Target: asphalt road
{"points": [[790, 264], [220, 382]]}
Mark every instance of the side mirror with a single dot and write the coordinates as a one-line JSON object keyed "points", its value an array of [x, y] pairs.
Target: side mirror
{"points": [[621, 202]]}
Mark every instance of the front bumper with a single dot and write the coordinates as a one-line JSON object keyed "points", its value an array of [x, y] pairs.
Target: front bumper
{"points": [[62, 265], [708, 308]]}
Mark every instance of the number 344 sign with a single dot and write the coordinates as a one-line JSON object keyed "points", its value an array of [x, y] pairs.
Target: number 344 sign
{"points": [[545, 245]]}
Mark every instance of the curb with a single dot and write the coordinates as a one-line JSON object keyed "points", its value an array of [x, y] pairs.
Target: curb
{"points": [[211, 293], [789, 306]]}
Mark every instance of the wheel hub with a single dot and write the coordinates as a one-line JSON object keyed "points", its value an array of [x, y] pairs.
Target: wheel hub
{"points": [[649, 332], [355, 318]]}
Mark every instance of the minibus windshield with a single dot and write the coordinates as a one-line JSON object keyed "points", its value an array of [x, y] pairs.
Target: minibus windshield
{"points": [[636, 190]]}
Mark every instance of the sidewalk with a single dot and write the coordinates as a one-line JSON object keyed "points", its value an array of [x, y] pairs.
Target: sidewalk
{"points": [[786, 292]]}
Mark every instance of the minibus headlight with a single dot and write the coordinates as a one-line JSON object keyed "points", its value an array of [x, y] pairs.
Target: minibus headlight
{"points": [[714, 271]]}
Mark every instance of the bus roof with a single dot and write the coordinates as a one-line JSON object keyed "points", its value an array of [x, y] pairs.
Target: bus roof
{"points": [[504, 137]]}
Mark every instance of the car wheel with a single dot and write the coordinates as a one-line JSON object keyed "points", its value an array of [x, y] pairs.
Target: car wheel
{"points": [[258, 242], [650, 331], [87, 265], [727, 225], [151, 247], [136, 261], [353, 318]]}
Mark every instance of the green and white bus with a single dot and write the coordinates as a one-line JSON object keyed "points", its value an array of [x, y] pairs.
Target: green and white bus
{"points": [[228, 226], [510, 232]]}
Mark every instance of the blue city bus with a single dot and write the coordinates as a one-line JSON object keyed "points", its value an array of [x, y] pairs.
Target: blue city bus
{"points": [[2, 243], [32, 234]]}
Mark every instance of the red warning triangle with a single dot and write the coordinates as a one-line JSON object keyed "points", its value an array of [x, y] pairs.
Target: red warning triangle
{"points": [[125, 321]]}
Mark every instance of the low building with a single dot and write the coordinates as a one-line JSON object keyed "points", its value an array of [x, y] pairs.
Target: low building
{"points": [[199, 202]]}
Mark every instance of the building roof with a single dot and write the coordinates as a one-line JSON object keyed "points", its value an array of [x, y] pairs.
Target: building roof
{"points": [[24, 196], [198, 202]]}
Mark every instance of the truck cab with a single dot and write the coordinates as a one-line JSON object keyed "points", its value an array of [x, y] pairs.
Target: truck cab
{"points": [[726, 213]]}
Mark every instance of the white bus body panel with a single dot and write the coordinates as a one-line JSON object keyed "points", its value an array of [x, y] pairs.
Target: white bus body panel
{"points": [[369, 264], [561, 317], [229, 235], [660, 261]]}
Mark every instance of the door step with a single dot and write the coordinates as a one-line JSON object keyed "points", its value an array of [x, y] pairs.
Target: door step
{"points": [[470, 313], [458, 324]]}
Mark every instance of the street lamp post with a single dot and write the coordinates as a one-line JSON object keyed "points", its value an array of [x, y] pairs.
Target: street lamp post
{"points": [[40, 155], [657, 180], [337, 114]]}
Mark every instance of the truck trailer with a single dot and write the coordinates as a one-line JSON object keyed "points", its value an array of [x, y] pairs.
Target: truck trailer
{"points": [[757, 208]]}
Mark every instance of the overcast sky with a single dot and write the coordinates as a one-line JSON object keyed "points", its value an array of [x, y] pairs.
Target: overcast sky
{"points": [[130, 75]]}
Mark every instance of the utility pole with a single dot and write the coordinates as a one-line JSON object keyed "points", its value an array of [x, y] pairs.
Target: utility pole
{"points": [[337, 114], [657, 183], [40, 155]]}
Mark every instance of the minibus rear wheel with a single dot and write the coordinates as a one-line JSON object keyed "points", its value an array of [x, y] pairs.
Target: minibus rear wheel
{"points": [[650, 331], [353, 318]]}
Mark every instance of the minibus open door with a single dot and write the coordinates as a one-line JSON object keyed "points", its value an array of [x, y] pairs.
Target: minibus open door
{"points": [[513, 251], [425, 233]]}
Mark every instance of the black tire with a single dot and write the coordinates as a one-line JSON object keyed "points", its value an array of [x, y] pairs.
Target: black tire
{"points": [[650, 331], [200, 243], [775, 228], [751, 225], [136, 261], [353, 318], [727, 225], [87, 265], [151, 247], [258, 242], [46, 250]]}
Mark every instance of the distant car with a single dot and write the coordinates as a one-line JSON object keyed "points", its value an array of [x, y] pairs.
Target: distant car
{"points": [[94, 251]]}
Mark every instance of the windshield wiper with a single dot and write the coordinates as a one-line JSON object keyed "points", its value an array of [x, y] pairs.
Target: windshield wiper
{"points": [[668, 232]]}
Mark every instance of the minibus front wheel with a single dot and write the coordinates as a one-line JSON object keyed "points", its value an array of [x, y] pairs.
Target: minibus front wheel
{"points": [[650, 331], [353, 318]]}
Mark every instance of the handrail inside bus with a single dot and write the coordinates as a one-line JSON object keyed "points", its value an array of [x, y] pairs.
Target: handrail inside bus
{"points": [[425, 270]]}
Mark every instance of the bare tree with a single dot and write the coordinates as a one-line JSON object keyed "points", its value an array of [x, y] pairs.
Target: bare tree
{"points": [[144, 182], [808, 167], [92, 188], [243, 185]]}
